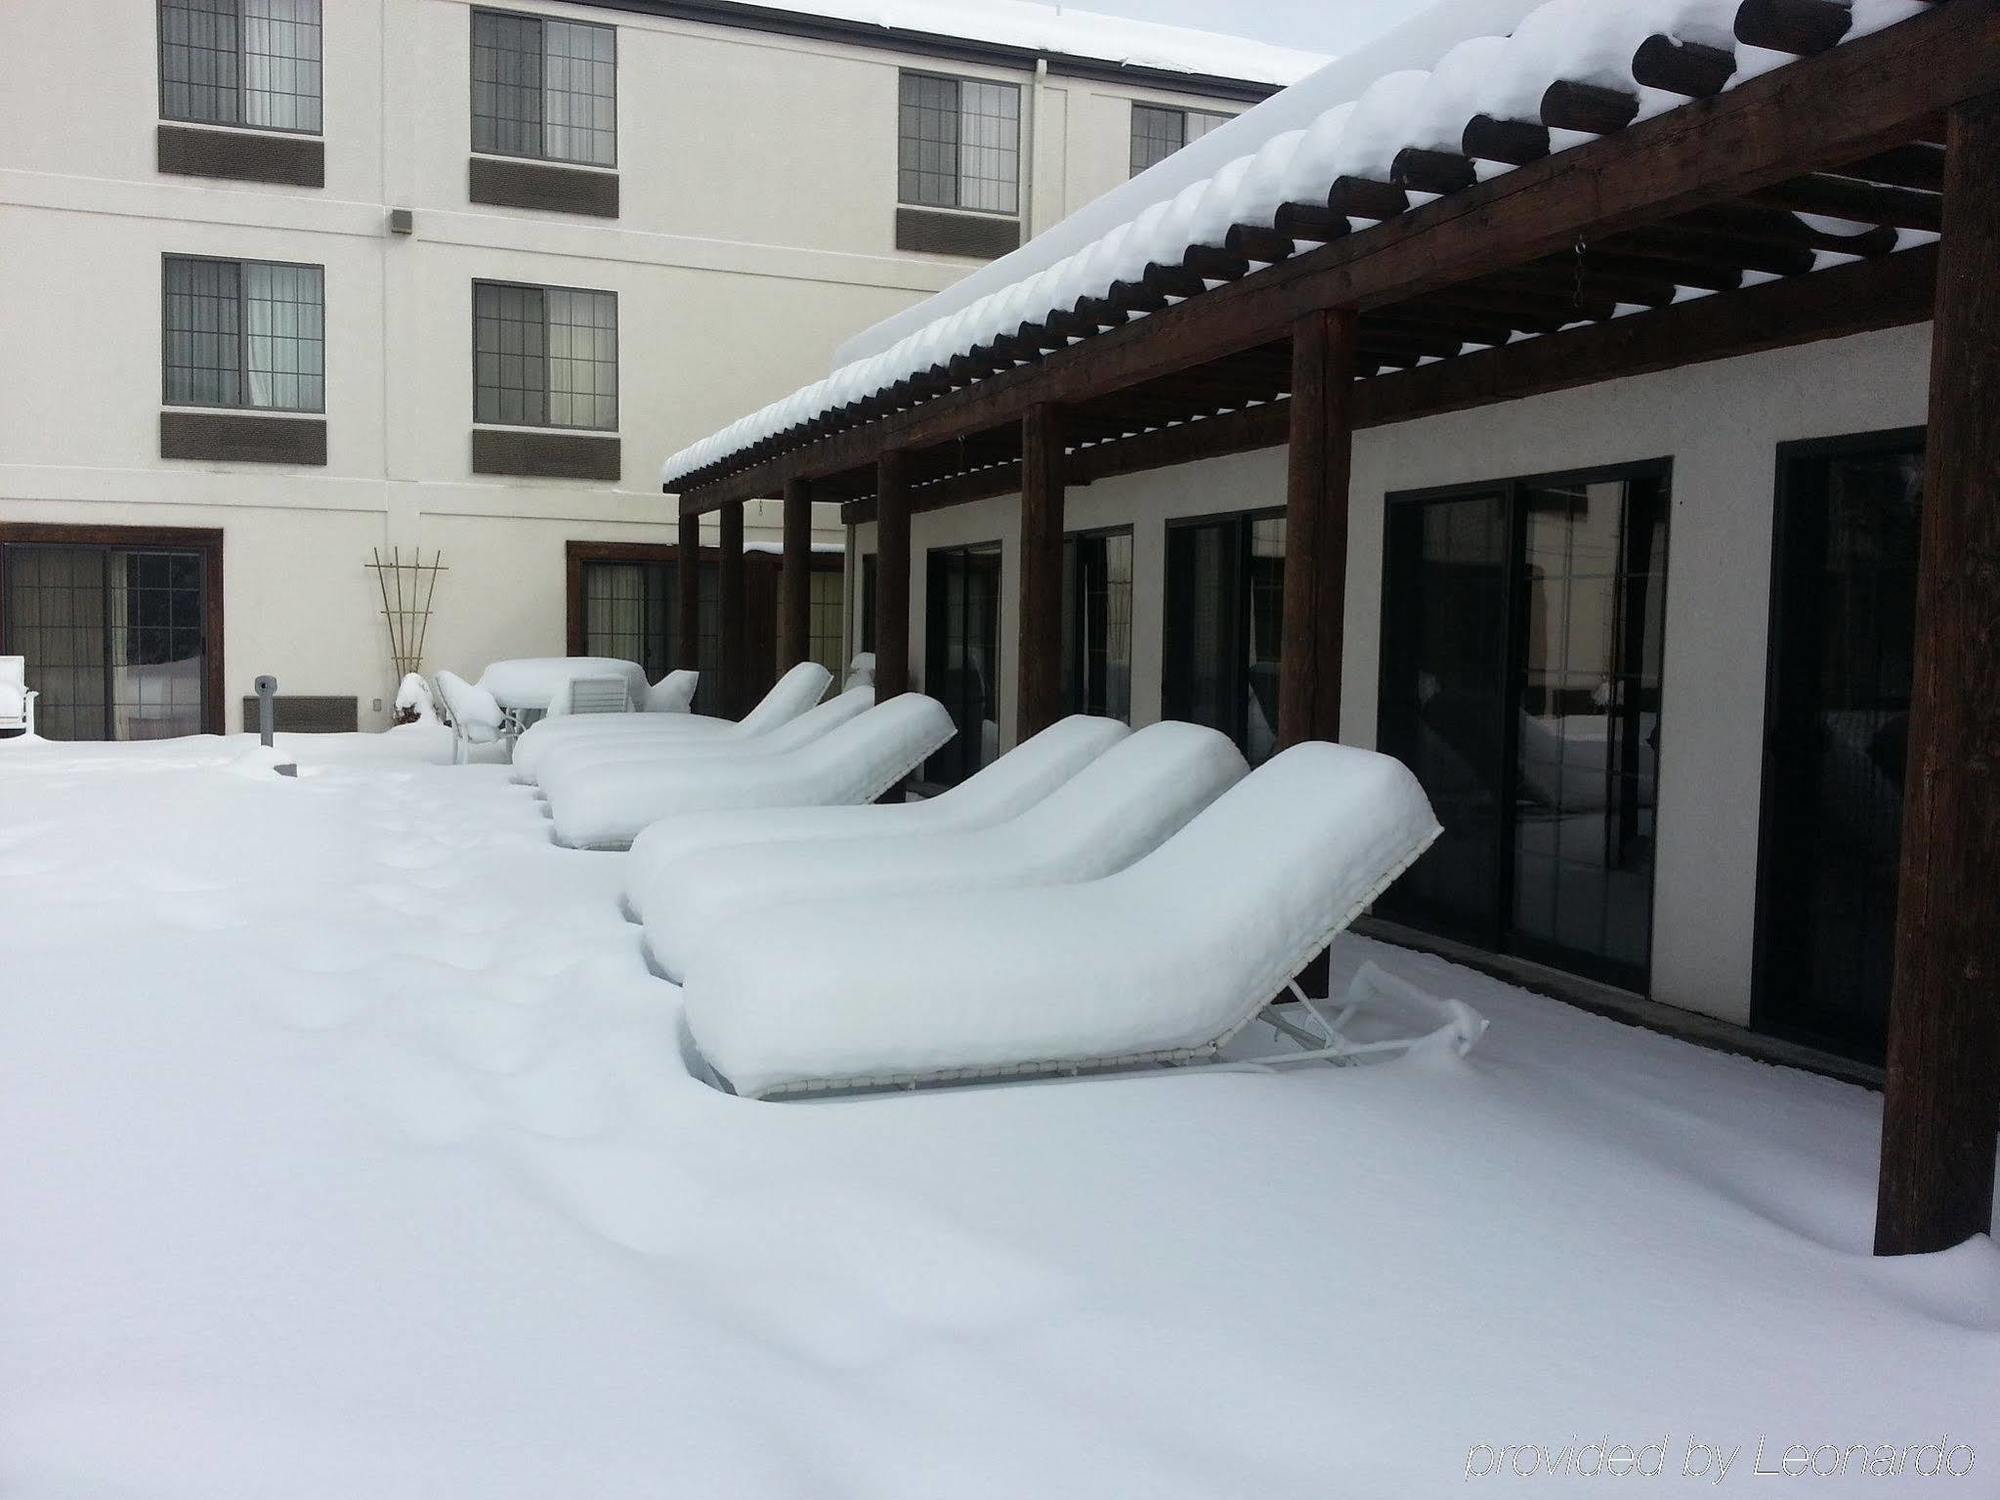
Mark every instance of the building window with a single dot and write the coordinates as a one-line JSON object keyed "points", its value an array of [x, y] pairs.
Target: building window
{"points": [[827, 615], [962, 655], [543, 88], [1158, 133], [1521, 652], [244, 333], [1097, 623], [866, 633], [1225, 617], [1843, 662], [544, 356], [241, 62], [959, 144]]}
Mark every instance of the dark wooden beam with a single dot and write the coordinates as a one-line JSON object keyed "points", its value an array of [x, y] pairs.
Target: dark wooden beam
{"points": [[1039, 700], [1588, 107], [795, 607], [1888, 292], [687, 625], [1858, 99], [1864, 202], [1318, 464], [1515, 142], [892, 574], [1801, 27], [1690, 69], [1941, 1103], [734, 622]]}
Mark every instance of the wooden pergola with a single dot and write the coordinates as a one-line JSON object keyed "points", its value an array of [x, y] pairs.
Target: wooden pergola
{"points": [[1345, 326]]}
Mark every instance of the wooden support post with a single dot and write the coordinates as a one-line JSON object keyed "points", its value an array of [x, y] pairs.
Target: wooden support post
{"points": [[1941, 1105], [1039, 701], [795, 607], [687, 645], [892, 574], [730, 600], [1322, 445]]}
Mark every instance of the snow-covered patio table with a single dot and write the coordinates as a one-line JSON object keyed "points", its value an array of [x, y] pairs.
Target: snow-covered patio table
{"points": [[533, 683], [347, 1149]]}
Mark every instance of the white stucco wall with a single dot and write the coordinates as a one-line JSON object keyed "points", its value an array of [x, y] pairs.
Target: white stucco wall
{"points": [[1720, 424], [757, 177]]}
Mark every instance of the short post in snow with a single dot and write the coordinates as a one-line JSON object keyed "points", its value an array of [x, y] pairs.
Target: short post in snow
{"points": [[267, 712]]}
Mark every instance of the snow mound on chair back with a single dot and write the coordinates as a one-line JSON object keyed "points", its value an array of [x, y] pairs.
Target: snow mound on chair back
{"points": [[1163, 961], [587, 757], [606, 808], [1120, 807], [1009, 786]]}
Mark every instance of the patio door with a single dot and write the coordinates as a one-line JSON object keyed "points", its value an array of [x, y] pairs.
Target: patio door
{"points": [[1521, 651], [1842, 642], [117, 639], [1224, 627], [962, 655]]}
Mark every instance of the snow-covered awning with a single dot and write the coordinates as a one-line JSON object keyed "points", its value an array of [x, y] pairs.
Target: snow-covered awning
{"points": [[1568, 69]]}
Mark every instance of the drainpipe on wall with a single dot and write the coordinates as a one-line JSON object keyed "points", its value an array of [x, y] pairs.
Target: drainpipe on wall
{"points": [[1033, 144]]}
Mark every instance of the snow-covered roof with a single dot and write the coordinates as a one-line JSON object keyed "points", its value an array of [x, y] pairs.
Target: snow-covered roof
{"points": [[1064, 31], [1418, 87]]}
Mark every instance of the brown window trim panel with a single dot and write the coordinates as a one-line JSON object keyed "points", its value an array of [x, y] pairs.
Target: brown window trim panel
{"points": [[940, 231], [546, 455], [306, 713], [241, 437], [243, 155], [555, 189], [203, 539]]}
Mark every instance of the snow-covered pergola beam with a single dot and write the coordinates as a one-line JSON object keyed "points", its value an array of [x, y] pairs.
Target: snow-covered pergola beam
{"points": [[1867, 96], [1887, 292]]}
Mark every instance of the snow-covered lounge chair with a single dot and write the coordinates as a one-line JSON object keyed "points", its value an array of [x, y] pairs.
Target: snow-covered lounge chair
{"points": [[477, 719], [792, 694], [1162, 962], [1120, 807], [673, 693], [564, 765], [857, 762], [17, 699], [1005, 789]]}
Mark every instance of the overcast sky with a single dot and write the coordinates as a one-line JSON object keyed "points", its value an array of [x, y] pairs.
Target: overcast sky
{"points": [[1332, 26]]}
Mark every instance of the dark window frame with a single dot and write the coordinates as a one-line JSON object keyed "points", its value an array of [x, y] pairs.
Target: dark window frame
{"points": [[958, 205], [207, 541], [548, 392], [1239, 728], [160, 8], [1182, 112], [541, 21], [958, 759], [1075, 651], [1766, 1013], [1500, 939], [243, 335]]}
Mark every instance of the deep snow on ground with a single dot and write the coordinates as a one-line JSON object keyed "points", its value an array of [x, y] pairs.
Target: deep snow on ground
{"points": [[346, 1149]]}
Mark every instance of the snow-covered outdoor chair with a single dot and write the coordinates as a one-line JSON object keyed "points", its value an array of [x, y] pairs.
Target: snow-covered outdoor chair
{"points": [[565, 764], [792, 694], [1120, 807], [477, 719], [17, 699], [1161, 963], [857, 762], [597, 695], [1010, 786], [672, 694], [860, 671]]}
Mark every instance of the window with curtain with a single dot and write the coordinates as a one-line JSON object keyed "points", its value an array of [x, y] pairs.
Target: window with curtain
{"points": [[544, 356], [544, 88], [246, 333], [959, 144], [1157, 132], [241, 62]]}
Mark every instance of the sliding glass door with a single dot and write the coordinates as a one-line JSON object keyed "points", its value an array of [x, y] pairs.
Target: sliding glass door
{"points": [[1842, 646], [1097, 623], [115, 638], [1225, 620], [1521, 653], [962, 655]]}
